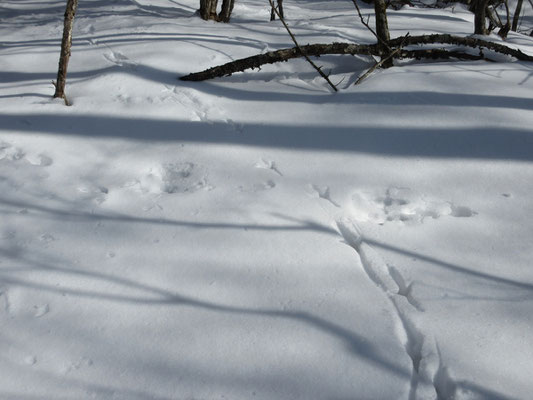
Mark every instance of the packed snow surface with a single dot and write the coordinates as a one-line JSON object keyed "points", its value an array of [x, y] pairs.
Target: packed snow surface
{"points": [[257, 236]]}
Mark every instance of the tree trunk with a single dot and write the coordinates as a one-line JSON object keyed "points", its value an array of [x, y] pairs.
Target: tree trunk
{"points": [[382, 30], [208, 9], [480, 14], [516, 16], [280, 10], [66, 44], [504, 30], [227, 8]]}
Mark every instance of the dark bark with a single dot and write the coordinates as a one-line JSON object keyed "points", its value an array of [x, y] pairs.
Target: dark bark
{"points": [[382, 31], [66, 44], [227, 8], [516, 16], [277, 56], [494, 18], [460, 41], [280, 10], [504, 30], [363, 49], [480, 15], [208, 9]]}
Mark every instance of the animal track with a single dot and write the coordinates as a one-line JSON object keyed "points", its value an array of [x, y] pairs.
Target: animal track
{"points": [[403, 205], [4, 298], [30, 360], [429, 377], [178, 177], [117, 58], [41, 310], [258, 187], [81, 363], [201, 109], [10, 153], [268, 164], [321, 192], [13, 153], [404, 289], [92, 192]]}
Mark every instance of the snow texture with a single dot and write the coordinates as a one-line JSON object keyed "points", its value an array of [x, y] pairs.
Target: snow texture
{"points": [[256, 236]]}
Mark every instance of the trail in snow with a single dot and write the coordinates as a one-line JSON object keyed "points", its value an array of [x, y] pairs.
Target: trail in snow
{"points": [[428, 380]]}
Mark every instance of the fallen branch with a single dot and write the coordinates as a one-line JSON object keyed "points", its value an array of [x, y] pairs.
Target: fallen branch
{"points": [[469, 41], [364, 49], [278, 56]]}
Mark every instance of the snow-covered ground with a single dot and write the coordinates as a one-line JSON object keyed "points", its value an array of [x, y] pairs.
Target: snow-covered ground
{"points": [[256, 236]]}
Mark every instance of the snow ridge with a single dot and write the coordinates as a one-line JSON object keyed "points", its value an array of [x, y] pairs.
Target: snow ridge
{"points": [[430, 380]]}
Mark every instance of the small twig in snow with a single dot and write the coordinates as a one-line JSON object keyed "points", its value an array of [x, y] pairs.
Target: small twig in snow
{"points": [[318, 69]]}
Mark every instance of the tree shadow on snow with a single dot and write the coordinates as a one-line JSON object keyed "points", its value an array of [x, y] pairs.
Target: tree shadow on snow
{"points": [[464, 143]]}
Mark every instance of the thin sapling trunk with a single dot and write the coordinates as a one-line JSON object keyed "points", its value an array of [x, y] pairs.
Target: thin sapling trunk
{"points": [[66, 45]]}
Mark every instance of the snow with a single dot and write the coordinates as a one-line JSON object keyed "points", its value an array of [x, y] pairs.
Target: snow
{"points": [[257, 236]]}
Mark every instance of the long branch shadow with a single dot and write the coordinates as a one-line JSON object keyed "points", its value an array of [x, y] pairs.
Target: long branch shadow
{"points": [[154, 296], [453, 267], [65, 215]]}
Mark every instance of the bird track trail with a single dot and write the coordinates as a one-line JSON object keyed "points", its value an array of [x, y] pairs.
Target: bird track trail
{"points": [[429, 378]]}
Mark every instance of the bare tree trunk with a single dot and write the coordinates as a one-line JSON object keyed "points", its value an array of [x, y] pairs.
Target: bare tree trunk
{"points": [[280, 10], [504, 30], [382, 30], [516, 16], [227, 8], [208, 9], [480, 14], [66, 44]]}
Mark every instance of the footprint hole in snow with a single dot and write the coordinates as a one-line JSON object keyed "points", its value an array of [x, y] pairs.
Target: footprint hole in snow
{"points": [[431, 214], [40, 310], [177, 177], [462, 212], [264, 186], [405, 217], [47, 238], [182, 177], [40, 160], [45, 161], [11, 153], [30, 360]]}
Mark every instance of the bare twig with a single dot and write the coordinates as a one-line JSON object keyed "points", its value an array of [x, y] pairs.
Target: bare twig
{"points": [[376, 66], [318, 69], [366, 24], [381, 62]]}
